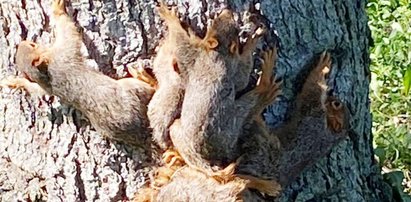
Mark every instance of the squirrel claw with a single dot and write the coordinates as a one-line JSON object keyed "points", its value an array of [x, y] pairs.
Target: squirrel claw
{"points": [[142, 75], [14, 83], [226, 175], [172, 158], [167, 14], [58, 7]]}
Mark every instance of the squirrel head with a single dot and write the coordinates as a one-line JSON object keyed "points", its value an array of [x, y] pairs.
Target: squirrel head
{"points": [[223, 33], [32, 60]]}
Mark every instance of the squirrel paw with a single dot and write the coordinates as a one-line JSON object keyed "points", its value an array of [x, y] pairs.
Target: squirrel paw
{"points": [[259, 32], [163, 176], [14, 83], [269, 58], [146, 194], [251, 42], [324, 65], [58, 8], [22, 83], [268, 87], [168, 15], [172, 158], [268, 187], [224, 176], [142, 75]]}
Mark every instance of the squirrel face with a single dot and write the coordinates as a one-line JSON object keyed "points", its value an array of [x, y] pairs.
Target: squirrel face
{"points": [[225, 32], [32, 60]]}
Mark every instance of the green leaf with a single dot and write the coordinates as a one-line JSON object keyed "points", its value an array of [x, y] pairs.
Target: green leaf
{"points": [[397, 27], [407, 81], [407, 140], [394, 178], [380, 152]]}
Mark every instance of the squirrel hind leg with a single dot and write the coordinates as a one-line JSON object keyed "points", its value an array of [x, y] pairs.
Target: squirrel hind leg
{"points": [[268, 187], [225, 175]]}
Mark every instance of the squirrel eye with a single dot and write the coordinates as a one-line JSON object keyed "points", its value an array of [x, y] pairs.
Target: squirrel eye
{"points": [[33, 45], [35, 61], [336, 104]]}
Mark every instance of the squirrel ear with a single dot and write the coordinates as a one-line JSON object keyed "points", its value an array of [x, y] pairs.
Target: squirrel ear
{"points": [[212, 43], [175, 65], [233, 47], [40, 60]]}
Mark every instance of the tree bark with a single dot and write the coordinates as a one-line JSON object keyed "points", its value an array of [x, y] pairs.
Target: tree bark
{"points": [[48, 152]]}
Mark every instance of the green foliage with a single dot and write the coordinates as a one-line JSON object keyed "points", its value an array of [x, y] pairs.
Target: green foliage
{"points": [[395, 179], [407, 81], [390, 24]]}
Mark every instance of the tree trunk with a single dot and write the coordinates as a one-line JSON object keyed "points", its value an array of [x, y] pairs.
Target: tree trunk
{"points": [[48, 152]]}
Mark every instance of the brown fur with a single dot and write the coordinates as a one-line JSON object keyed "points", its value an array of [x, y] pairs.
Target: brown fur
{"points": [[167, 68], [206, 189]]}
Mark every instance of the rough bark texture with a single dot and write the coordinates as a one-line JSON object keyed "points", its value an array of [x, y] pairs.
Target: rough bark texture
{"points": [[48, 153]]}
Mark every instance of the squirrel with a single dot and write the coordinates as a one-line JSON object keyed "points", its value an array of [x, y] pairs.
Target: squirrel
{"points": [[206, 188], [256, 142], [165, 104], [318, 122], [315, 100], [118, 109]]}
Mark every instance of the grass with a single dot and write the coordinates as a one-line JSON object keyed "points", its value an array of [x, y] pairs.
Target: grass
{"points": [[390, 24]]}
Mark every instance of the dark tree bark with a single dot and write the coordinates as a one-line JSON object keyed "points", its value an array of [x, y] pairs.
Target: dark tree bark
{"points": [[48, 152]]}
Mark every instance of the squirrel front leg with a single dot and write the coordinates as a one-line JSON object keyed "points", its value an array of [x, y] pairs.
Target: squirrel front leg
{"points": [[246, 61], [68, 39], [268, 88], [176, 33], [309, 99], [175, 29], [335, 111], [23, 83]]}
